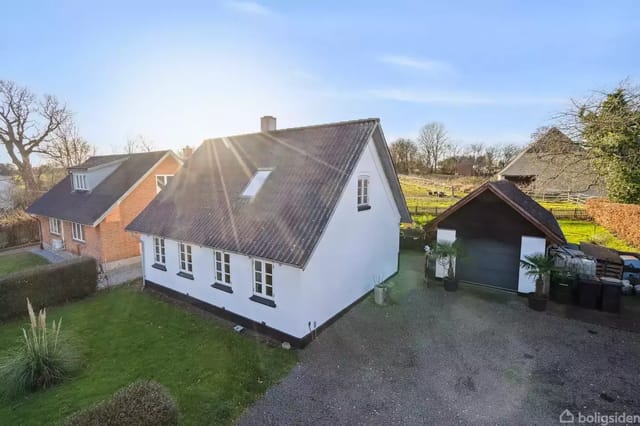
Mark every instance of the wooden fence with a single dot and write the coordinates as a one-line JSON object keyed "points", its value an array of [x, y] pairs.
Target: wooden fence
{"points": [[572, 214]]}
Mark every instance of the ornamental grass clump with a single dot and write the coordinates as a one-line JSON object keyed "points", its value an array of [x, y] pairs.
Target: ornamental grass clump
{"points": [[43, 359]]}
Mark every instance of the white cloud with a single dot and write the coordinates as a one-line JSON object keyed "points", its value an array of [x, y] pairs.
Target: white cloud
{"points": [[463, 98], [250, 7], [430, 65]]}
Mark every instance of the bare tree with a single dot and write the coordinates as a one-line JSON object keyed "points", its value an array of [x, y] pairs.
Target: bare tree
{"points": [[508, 153], [434, 142], [27, 125], [138, 143], [68, 148], [404, 154]]}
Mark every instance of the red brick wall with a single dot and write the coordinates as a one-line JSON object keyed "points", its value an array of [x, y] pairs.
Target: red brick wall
{"points": [[91, 246], [116, 242]]}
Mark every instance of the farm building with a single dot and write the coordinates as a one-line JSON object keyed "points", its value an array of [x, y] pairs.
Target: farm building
{"points": [[496, 225], [554, 164]]}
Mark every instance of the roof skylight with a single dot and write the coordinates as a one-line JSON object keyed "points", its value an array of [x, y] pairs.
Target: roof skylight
{"points": [[252, 189]]}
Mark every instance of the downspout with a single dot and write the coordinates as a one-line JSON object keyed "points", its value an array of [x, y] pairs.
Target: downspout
{"points": [[144, 278]]}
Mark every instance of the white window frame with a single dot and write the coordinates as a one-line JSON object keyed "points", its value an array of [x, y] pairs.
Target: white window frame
{"points": [[57, 229], [80, 182], [222, 267], [263, 280], [77, 232], [364, 183], [185, 250], [159, 251], [256, 183], [164, 179]]}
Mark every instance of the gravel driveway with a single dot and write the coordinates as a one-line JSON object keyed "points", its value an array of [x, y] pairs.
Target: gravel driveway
{"points": [[475, 356]]}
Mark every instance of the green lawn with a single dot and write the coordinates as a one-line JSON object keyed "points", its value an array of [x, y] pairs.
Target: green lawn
{"points": [[576, 231], [124, 335], [15, 262]]}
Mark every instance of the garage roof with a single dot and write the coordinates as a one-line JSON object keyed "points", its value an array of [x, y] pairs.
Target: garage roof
{"points": [[526, 206]]}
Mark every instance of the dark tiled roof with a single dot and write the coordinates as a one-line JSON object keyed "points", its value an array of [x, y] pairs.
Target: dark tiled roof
{"points": [[99, 160], [310, 168], [87, 207], [528, 204]]}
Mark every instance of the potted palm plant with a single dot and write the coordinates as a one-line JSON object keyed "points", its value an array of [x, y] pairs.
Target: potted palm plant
{"points": [[446, 252], [538, 266]]}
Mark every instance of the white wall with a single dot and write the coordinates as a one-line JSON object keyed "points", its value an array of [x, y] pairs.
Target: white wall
{"points": [[529, 246], [358, 248], [445, 236], [286, 286], [95, 176]]}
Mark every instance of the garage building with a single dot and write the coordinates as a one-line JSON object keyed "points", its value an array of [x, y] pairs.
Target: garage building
{"points": [[497, 225]]}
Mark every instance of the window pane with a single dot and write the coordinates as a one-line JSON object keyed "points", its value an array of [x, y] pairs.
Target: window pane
{"points": [[257, 265], [226, 257], [218, 276], [227, 278], [268, 267], [269, 291], [258, 277], [258, 288], [268, 280], [226, 268]]}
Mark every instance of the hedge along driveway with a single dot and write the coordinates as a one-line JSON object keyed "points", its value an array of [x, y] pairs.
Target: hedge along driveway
{"points": [[124, 335]]}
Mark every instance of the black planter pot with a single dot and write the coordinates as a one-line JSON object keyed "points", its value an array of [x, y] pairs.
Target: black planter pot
{"points": [[537, 303], [450, 284]]}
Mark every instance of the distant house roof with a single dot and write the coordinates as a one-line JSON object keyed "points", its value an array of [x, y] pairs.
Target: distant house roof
{"points": [[521, 202], [88, 207], [558, 165], [310, 167]]}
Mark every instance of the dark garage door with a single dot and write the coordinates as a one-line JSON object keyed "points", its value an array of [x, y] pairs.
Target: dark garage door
{"points": [[489, 262]]}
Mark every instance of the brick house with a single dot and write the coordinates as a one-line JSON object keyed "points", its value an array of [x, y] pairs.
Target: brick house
{"points": [[87, 211]]}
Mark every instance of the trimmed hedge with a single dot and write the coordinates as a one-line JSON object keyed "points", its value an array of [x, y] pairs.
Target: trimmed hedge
{"points": [[47, 285], [142, 403], [622, 219]]}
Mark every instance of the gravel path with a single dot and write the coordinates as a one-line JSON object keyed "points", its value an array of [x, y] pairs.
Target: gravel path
{"points": [[474, 356]]}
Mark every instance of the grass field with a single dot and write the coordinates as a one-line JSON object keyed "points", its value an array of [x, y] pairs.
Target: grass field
{"points": [[16, 262], [124, 335], [576, 231]]}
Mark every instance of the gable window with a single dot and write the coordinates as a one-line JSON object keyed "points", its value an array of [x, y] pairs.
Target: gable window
{"points": [[258, 180], [186, 261], [77, 231], [159, 256], [162, 181], [222, 270], [80, 182], [54, 226], [263, 283], [363, 193]]}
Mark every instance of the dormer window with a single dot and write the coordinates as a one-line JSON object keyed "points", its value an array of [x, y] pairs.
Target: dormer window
{"points": [[80, 182], [363, 193], [256, 183]]}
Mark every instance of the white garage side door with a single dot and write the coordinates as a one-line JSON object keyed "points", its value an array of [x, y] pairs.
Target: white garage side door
{"points": [[445, 235], [529, 246]]}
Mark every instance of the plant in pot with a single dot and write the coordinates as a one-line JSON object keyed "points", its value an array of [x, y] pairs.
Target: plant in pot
{"points": [[538, 266], [446, 252]]}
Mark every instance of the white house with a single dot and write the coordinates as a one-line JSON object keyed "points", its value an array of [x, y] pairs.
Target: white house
{"points": [[279, 230]]}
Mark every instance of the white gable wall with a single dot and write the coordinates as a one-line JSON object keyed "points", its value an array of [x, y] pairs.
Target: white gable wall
{"points": [[358, 248], [286, 285]]}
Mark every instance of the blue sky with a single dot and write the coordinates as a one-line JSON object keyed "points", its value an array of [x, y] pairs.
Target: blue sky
{"points": [[492, 72]]}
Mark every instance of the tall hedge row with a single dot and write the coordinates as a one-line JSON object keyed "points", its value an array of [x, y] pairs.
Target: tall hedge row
{"points": [[622, 219], [143, 403], [47, 285]]}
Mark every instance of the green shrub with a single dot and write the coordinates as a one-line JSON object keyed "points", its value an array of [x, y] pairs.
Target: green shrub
{"points": [[142, 403], [47, 285], [43, 360]]}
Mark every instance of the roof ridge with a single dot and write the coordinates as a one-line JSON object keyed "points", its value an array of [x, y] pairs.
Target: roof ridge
{"points": [[312, 126]]}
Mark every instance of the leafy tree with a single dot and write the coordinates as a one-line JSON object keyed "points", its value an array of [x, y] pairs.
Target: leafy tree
{"points": [[404, 154], [609, 125]]}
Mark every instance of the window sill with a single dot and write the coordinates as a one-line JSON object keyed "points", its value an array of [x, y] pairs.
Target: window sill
{"points": [[222, 287], [159, 266], [78, 241], [364, 207], [185, 275], [263, 301]]}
